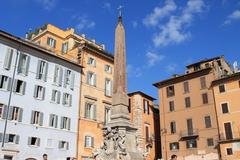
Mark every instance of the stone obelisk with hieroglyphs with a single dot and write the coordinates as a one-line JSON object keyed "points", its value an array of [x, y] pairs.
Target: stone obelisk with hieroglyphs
{"points": [[120, 140]]}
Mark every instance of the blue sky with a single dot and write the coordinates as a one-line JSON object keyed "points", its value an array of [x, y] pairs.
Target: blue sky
{"points": [[161, 36]]}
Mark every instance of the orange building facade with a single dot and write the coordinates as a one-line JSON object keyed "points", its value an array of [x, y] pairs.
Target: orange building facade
{"points": [[188, 121], [227, 94], [144, 116], [96, 84]]}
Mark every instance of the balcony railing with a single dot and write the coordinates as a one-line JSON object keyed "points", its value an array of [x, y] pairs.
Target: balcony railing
{"points": [[186, 135], [229, 137]]}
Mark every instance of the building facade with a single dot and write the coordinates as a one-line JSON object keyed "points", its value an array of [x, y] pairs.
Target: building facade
{"points": [[43, 112], [227, 92], [188, 119], [96, 81], [144, 116]]}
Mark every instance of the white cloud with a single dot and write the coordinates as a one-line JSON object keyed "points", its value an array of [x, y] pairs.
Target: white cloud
{"points": [[84, 23], [107, 5], [153, 58], [233, 17], [171, 67], [134, 24], [159, 13], [47, 4], [175, 30], [133, 71]]}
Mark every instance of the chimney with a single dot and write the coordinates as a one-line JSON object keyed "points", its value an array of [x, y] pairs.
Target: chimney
{"points": [[103, 46]]}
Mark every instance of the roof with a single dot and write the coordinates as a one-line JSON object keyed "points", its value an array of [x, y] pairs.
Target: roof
{"points": [[232, 77], [34, 46], [141, 93], [204, 61], [183, 77]]}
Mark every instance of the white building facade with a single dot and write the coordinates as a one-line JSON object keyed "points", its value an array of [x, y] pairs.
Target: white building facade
{"points": [[44, 109]]}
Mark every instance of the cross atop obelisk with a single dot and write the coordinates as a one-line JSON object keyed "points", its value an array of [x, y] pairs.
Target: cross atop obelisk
{"points": [[120, 8]]}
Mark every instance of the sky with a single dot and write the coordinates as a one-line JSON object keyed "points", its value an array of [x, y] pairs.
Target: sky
{"points": [[162, 36]]}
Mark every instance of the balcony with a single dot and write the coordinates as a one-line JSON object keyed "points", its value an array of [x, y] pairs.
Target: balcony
{"points": [[229, 137], [188, 135]]}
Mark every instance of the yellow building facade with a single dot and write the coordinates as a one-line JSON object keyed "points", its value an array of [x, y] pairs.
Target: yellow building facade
{"points": [[227, 103]]}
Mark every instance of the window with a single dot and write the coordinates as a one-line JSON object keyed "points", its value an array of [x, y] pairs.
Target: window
{"points": [[146, 106], [19, 87], [7, 157], [90, 111], [207, 65], [187, 102], [171, 106], [208, 123], [56, 96], [197, 67], [23, 64], [67, 99], [42, 69], [69, 77], [170, 91], [51, 42], [191, 143], [64, 47], [37, 118], [63, 145], [15, 113], [92, 61], [108, 68], [147, 133], [173, 127], [108, 87], [174, 146], [186, 87], [228, 130], [221, 88], [89, 141], [39, 92], [205, 98], [5, 82], [91, 78], [190, 126], [210, 142], [107, 115], [33, 141], [229, 151], [65, 123], [8, 59], [12, 138], [58, 73], [224, 108], [203, 82], [53, 120]]}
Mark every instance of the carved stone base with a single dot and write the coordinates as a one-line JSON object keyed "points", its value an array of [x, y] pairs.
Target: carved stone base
{"points": [[120, 143]]}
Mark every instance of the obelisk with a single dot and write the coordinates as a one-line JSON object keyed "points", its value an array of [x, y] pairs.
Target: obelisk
{"points": [[120, 140]]}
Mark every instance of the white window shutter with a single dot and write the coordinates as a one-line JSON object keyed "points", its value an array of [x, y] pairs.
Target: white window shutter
{"points": [[72, 80], [17, 139], [8, 59], [55, 74], [46, 72], [35, 91], [58, 97], [9, 83], [65, 79], [56, 121], [43, 93], [10, 112], [38, 69], [27, 65], [95, 79], [24, 87], [20, 115], [69, 123], [41, 119], [60, 76]]}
